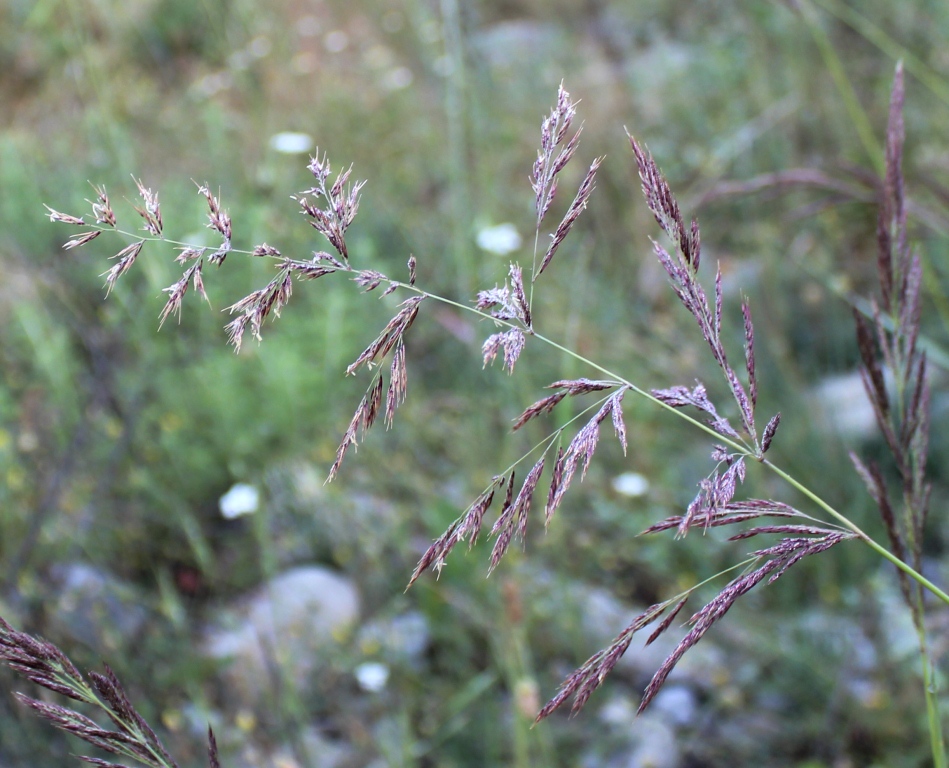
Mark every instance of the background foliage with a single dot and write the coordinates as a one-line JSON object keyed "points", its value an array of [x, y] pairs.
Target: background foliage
{"points": [[116, 441]]}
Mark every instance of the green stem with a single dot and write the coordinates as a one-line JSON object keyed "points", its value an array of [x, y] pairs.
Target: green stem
{"points": [[835, 68], [937, 742], [889, 46], [845, 521], [740, 447], [842, 519], [458, 177]]}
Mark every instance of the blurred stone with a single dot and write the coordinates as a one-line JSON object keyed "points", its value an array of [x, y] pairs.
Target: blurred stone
{"points": [[840, 638], [400, 639], [94, 607], [285, 623], [322, 752], [514, 44], [312, 750], [648, 741], [902, 642], [747, 733], [652, 73], [844, 405], [655, 744], [619, 711], [676, 704]]}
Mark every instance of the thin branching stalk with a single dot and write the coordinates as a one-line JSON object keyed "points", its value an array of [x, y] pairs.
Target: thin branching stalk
{"points": [[740, 438]]}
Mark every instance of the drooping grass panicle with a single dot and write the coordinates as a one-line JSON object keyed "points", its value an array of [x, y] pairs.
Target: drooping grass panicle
{"points": [[577, 207], [566, 387], [665, 209], [398, 382], [220, 221], [584, 681], [254, 308], [467, 527], [682, 270], [126, 258], [512, 520], [580, 450], [777, 560], [46, 665], [715, 492], [390, 339], [508, 302], [64, 218], [510, 525], [769, 431], [177, 290], [680, 396], [389, 336], [77, 241], [731, 513], [894, 370], [361, 421], [511, 341]]}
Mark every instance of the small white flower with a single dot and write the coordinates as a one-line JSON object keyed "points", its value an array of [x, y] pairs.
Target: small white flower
{"points": [[631, 484], [501, 239], [241, 499], [372, 676], [291, 142]]}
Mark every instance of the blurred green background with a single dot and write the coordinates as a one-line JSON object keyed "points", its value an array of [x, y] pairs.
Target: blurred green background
{"points": [[117, 442]]}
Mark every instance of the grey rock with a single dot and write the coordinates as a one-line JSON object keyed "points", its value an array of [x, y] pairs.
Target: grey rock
{"points": [[899, 633], [648, 741], [284, 622], [311, 750], [655, 744], [94, 607], [652, 73], [511, 44], [676, 704], [399, 639], [844, 407]]}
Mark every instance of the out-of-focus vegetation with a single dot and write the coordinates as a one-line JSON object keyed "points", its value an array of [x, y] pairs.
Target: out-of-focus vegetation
{"points": [[117, 442]]}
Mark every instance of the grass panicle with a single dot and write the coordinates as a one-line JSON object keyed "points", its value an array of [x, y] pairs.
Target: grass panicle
{"points": [[887, 342], [130, 736]]}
